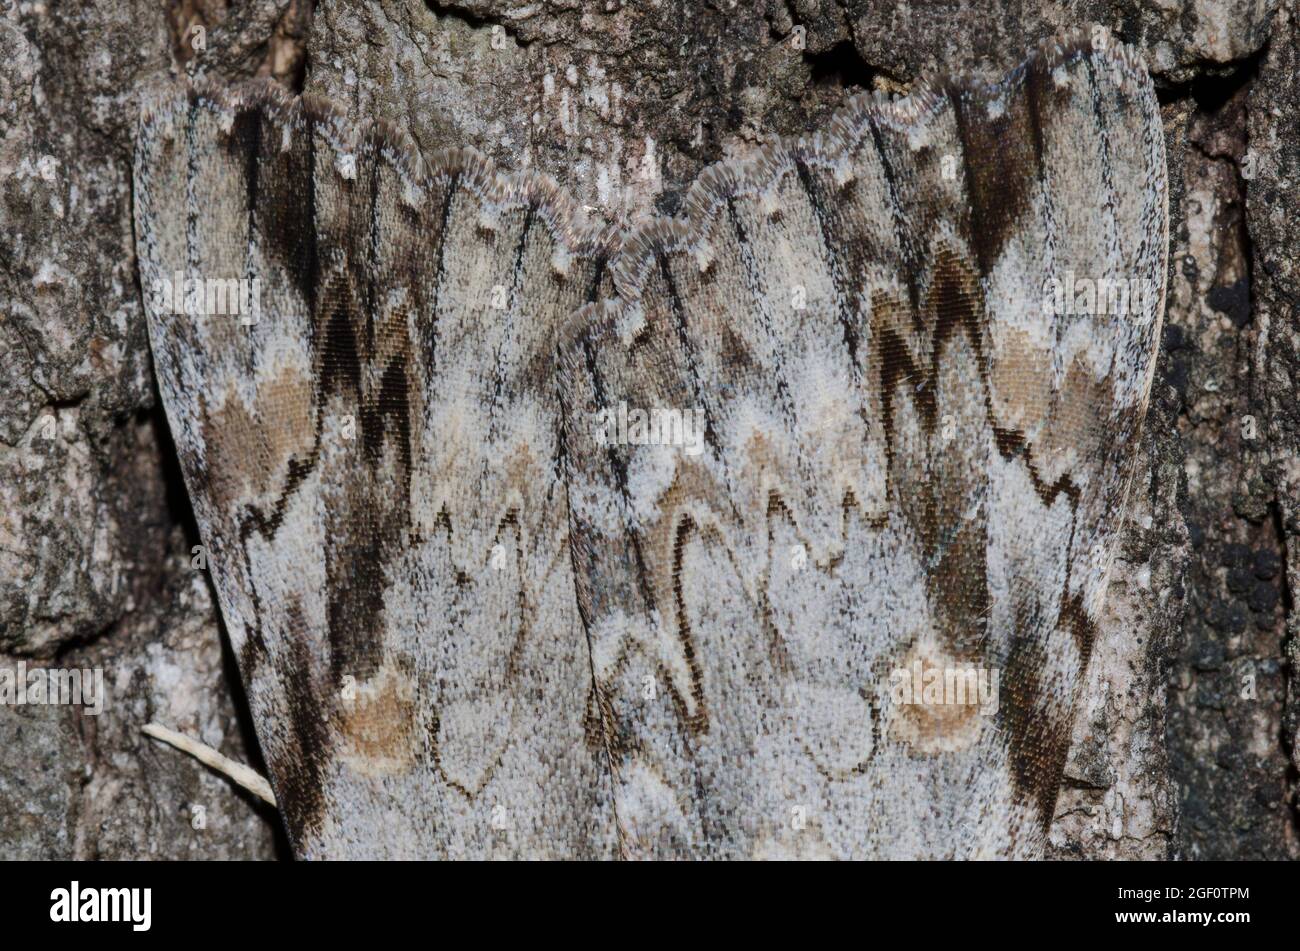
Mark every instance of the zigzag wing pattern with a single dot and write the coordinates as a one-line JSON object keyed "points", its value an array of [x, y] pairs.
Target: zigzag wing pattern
{"points": [[373, 458], [914, 460], [780, 528]]}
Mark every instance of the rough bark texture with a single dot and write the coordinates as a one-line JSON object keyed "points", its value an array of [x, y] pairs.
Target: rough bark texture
{"points": [[1193, 753]]}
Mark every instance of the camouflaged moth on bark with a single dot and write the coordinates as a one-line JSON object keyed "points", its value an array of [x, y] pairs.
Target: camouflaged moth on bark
{"points": [[536, 540]]}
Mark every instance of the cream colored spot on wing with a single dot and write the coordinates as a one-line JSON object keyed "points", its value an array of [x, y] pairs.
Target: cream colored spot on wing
{"points": [[934, 718], [1020, 378], [378, 724], [248, 451]]}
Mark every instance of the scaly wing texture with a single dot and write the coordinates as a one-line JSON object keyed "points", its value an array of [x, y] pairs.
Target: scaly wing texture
{"points": [[910, 463], [373, 462]]}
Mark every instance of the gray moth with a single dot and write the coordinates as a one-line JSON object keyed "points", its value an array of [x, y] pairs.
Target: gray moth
{"points": [[536, 539]]}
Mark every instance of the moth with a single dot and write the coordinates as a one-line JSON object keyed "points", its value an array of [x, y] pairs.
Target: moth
{"points": [[540, 539]]}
